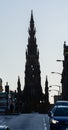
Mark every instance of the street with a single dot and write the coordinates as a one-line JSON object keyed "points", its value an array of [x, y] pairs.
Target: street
{"points": [[33, 121]]}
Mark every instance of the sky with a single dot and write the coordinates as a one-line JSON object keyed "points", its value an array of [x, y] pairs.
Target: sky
{"points": [[51, 22]]}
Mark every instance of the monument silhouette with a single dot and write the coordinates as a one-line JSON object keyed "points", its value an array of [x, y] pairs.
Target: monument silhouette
{"points": [[32, 87]]}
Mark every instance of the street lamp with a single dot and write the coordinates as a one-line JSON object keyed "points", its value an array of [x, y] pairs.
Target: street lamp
{"points": [[56, 73], [59, 60]]}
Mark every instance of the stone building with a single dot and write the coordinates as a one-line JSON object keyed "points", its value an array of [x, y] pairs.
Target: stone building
{"points": [[65, 74]]}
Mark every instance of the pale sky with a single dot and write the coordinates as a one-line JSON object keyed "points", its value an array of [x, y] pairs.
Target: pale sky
{"points": [[51, 22]]}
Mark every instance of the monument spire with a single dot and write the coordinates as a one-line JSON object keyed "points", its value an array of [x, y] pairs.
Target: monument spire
{"points": [[32, 88]]}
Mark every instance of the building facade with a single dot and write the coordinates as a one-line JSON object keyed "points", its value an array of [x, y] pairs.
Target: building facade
{"points": [[65, 74]]}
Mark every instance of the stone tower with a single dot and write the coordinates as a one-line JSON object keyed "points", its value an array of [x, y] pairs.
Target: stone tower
{"points": [[32, 88]]}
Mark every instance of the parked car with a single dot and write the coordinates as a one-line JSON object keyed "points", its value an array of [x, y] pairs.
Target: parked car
{"points": [[61, 102], [4, 127], [58, 118]]}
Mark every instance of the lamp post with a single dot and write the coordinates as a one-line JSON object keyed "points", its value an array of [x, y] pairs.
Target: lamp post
{"points": [[56, 73], [59, 60], [60, 82], [63, 75]]}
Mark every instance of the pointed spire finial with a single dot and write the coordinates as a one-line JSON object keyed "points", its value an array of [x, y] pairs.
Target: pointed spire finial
{"points": [[32, 29], [18, 77], [32, 15], [19, 84], [46, 79]]}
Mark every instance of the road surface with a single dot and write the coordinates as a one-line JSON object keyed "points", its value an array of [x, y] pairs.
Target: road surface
{"points": [[33, 121]]}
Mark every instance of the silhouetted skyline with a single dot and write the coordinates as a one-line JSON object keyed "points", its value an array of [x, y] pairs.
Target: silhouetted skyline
{"points": [[51, 23]]}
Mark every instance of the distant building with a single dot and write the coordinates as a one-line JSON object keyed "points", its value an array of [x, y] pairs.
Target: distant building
{"points": [[1, 87], [7, 88], [65, 74], [3, 102]]}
